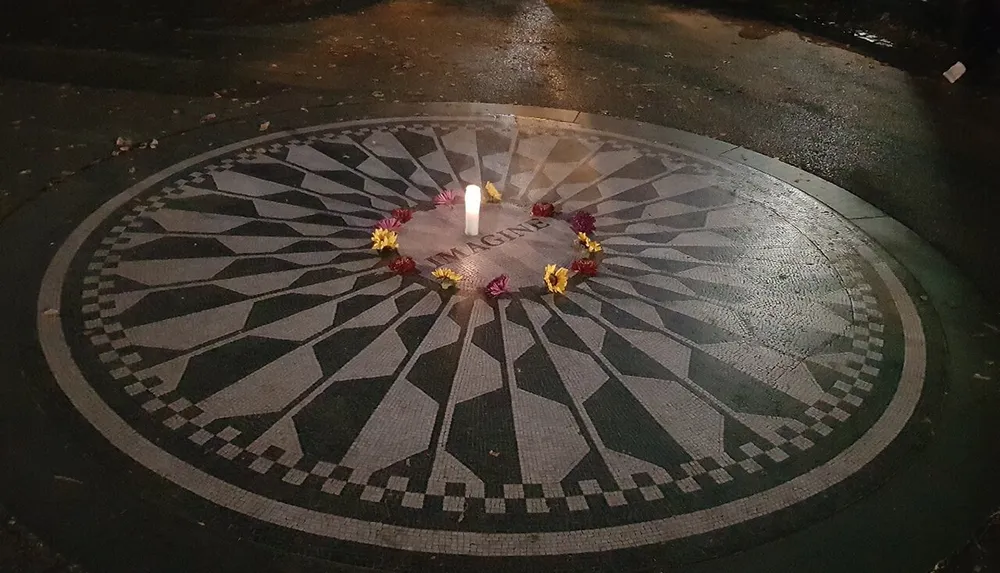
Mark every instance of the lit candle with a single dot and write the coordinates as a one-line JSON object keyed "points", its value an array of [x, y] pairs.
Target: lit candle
{"points": [[473, 197]]}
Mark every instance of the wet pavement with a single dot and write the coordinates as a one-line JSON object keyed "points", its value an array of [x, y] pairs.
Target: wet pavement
{"points": [[910, 144]]}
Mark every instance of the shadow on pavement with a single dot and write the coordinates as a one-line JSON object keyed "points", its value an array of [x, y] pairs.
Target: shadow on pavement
{"points": [[921, 36], [959, 215], [67, 42], [66, 20]]}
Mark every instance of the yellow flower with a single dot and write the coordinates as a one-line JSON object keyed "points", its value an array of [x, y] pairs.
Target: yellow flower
{"points": [[384, 239], [493, 193], [447, 277], [592, 246], [556, 280]]}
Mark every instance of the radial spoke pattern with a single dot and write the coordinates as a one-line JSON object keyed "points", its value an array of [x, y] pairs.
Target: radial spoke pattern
{"points": [[718, 352]]}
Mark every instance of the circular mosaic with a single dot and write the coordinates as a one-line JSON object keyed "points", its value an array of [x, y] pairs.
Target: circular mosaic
{"points": [[228, 326]]}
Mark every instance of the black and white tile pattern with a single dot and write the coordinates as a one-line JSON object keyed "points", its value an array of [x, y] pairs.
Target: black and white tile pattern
{"points": [[727, 349]]}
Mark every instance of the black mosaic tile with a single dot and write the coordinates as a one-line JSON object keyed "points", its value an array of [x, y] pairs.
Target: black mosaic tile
{"points": [[344, 153], [279, 307], [418, 144], [274, 172], [346, 405], [483, 425], [246, 267], [635, 433], [161, 305], [217, 368]]}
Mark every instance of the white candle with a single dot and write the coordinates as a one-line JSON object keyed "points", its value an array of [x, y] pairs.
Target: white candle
{"points": [[473, 198]]}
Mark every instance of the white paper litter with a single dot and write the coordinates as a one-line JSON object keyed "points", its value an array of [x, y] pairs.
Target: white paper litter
{"points": [[953, 73]]}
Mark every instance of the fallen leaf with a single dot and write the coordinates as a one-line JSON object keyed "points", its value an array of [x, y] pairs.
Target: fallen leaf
{"points": [[154, 144], [265, 126], [208, 117]]}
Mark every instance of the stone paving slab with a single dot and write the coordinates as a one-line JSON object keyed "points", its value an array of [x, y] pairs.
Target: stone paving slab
{"points": [[746, 363]]}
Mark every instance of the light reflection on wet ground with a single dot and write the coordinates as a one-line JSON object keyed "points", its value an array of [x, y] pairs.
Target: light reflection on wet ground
{"points": [[909, 144]]}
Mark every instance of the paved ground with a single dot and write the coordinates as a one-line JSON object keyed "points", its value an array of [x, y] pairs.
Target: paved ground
{"points": [[910, 145], [907, 144]]}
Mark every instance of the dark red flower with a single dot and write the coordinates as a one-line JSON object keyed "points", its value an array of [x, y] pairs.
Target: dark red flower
{"points": [[586, 267], [402, 215], [582, 222], [402, 265], [543, 210]]}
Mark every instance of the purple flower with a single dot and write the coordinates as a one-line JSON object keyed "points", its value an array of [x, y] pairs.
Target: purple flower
{"points": [[582, 222], [389, 224], [497, 286], [446, 198]]}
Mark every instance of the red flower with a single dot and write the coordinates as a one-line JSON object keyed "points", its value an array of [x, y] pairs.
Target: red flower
{"points": [[390, 224], [586, 267], [497, 286], [402, 215], [543, 210], [446, 198], [582, 222], [402, 265]]}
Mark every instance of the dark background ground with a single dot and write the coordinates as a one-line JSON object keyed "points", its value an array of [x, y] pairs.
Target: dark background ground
{"points": [[850, 90]]}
